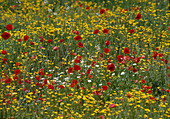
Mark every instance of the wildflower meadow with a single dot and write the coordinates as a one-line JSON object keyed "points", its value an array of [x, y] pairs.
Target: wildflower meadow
{"points": [[87, 59]]}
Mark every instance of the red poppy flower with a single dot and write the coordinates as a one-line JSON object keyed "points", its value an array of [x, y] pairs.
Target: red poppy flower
{"points": [[62, 40], [80, 5], [4, 61], [149, 91], [41, 73], [166, 61], [38, 78], [107, 9], [16, 78], [90, 76], [75, 32], [49, 75], [80, 45], [126, 9], [73, 54], [97, 93], [107, 42], [134, 70], [6, 35], [9, 27], [151, 98], [32, 43], [88, 71], [96, 31], [126, 51], [72, 85], [143, 81], [106, 50], [17, 71], [3, 52], [131, 31], [156, 48], [137, 8], [101, 55], [41, 38], [138, 16], [20, 40], [24, 53], [120, 58], [77, 60], [134, 52], [161, 55], [50, 86], [113, 105], [102, 11], [87, 8], [8, 80], [79, 57], [70, 70], [78, 37], [49, 40], [55, 48], [13, 6], [93, 63], [45, 81], [105, 31], [77, 67], [154, 55], [126, 58], [109, 60], [129, 95], [78, 86], [129, 67], [148, 87], [75, 82], [136, 60], [19, 82], [108, 83], [26, 37], [111, 67], [61, 86], [104, 87], [101, 116]]}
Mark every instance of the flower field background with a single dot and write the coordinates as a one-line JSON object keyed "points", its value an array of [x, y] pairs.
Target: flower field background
{"points": [[84, 59]]}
